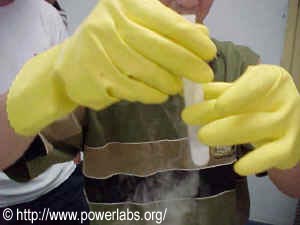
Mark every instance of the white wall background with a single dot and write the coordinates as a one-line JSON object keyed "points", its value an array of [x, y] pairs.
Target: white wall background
{"points": [[259, 24]]}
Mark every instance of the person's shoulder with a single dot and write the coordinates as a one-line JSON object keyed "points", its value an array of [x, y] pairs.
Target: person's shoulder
{"points": [[232, 50], [232, 60], [48, 11], [41, 10], [51, 21]]}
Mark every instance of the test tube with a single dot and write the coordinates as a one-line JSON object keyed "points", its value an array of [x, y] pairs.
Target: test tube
{"points": [[193, 94], [199, 152]]}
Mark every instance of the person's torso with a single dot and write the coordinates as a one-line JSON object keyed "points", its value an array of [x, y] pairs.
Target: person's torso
{"points": [[24, 34], [139, 157]]}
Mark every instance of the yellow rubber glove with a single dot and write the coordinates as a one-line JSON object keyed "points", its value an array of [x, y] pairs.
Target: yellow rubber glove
{"points": [[135, 50], [262, 108]]}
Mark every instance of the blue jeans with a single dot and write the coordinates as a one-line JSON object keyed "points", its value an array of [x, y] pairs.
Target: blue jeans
{"points": [[68, 197]]}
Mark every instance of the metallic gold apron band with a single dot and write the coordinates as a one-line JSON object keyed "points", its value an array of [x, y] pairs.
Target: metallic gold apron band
{"points": [[160, 186], [219, 209], [143, 159], [139, 159]]}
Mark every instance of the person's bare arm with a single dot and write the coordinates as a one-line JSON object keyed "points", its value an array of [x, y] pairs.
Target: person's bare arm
{"points": [[12, 146], [287, 181]]}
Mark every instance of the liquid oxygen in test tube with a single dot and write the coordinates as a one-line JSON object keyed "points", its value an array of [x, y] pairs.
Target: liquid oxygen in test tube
{"points": [[193, 94]]}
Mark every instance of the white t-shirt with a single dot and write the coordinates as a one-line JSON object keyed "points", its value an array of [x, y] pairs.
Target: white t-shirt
{"points": [[27, 28]]}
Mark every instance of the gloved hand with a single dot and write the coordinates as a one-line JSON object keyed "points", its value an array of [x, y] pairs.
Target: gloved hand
{"points": [[135, 50], [262, 108]]}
